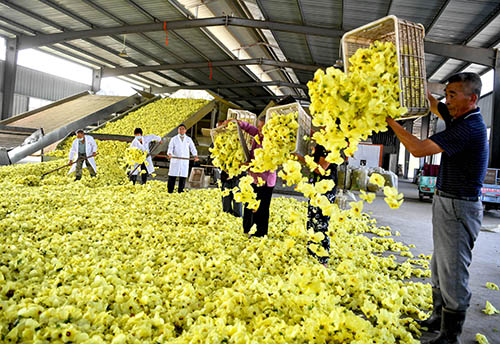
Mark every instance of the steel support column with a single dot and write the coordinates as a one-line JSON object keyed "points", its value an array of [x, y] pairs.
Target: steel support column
{"points": [[424, 133], [409, 127], [96, 80], [495, 118], [9, 78]]}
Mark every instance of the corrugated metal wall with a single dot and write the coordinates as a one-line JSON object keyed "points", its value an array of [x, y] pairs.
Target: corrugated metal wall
{"points": [[20, 103], [486, 105], [33, 83]]}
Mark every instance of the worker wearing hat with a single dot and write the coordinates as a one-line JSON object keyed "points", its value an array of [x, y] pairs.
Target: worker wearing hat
{"points": [[179, 148], [457, 211], [83, 150]]}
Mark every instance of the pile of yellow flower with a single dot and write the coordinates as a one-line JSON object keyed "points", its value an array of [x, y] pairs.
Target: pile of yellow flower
{"points": [[93, 265], [280, 137], [110, 165], [157, 118], [349, 108], [227, 152]]}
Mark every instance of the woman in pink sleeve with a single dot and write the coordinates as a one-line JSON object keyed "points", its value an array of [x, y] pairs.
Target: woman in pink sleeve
{"points": [[265, 192]]}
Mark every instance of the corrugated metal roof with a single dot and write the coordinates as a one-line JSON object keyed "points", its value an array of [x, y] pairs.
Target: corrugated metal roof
{"points": [[422, 11], [323, 13], [357, 13]]}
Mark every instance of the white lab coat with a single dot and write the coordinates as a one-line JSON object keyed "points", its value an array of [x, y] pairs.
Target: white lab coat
{"points": [[90, 148], [180, 148], [144, 146]]}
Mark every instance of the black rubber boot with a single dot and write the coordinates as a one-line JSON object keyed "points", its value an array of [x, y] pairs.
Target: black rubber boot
{"points": [[451, 328], [433, 323]]}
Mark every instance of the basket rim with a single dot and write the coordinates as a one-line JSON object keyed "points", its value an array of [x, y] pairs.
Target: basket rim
{"points": [[396, 22]]}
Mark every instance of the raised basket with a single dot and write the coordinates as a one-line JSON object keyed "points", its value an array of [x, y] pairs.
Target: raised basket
{"points": [[302, 146], [243, 143], [408, 38], [245, 116]]}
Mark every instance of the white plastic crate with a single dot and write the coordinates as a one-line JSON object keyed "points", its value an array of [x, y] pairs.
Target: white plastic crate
{"points": [[302, 145], [408, 39], [245, 116], [243, 143]]}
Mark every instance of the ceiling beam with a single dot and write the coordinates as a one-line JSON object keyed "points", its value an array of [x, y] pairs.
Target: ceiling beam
{"points": [[487, 21], [194, 65], [177, 36], [102, 61], [266, 98], [26, 42], [185, 12], [437, 16], [169, 89], [482, 56], [152, 41]]}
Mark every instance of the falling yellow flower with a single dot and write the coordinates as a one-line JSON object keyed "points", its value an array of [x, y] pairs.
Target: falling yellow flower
{"points": [[324, 186], [367, 197], [392, 197], [377, 179]]}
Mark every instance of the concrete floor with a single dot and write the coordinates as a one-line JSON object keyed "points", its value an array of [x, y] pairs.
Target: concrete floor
{"points": [[413, 221]]}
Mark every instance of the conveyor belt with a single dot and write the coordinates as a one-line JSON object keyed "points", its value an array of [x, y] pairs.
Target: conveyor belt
{"points": [[71, 111], [55, 121]]}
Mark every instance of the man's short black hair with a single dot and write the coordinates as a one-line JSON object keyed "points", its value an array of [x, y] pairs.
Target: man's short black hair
{"points": [[80, 131], [182, 125], [137, 131], [471, 81]]}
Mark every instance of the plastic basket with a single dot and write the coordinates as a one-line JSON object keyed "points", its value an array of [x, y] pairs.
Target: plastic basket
{"points": [[408, 38], [243, 143], [245, 116], [302, 146]]}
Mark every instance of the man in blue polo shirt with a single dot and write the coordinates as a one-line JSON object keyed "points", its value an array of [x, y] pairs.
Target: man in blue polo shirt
{"points": [[457, 211]]}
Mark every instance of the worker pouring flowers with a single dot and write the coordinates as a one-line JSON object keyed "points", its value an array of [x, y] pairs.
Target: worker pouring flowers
{"points": [[263, 185], [457, 211]]}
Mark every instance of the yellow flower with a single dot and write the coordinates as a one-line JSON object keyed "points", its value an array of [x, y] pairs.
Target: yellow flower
{"points": [[393, 198], [368, 197], [310, 162], [481, 338], [377, 179], [491, 285], [490, 309], [356, 207], [323, 186]]}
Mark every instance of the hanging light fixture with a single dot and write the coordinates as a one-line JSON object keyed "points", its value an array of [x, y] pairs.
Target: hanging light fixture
{"points": [[123, 53]]}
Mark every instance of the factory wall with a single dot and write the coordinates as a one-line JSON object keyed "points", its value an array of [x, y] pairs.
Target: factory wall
{"points": [[35, 84], [486, 106]]}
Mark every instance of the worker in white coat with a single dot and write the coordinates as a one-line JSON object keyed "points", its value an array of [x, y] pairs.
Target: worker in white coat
{"points": [[82, 153], [143, 143], [179, 147]]}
